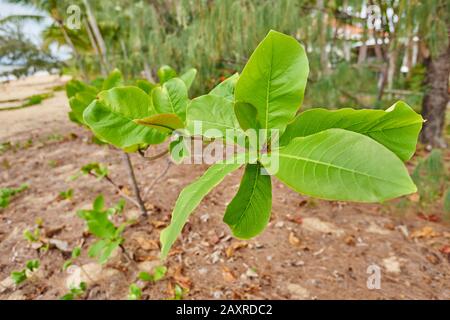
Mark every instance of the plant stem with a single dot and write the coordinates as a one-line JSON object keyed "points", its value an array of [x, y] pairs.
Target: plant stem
{"points": [[126, 253], [150, 188], [129, 166], [111, 182], [157, 156]]}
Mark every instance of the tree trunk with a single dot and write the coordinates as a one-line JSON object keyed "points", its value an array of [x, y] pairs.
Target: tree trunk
{"points": [[96, 31], [392, 66], [435, 100], [95, 47], [322, 25], [362, 52], [148, 72], [74, 49]]}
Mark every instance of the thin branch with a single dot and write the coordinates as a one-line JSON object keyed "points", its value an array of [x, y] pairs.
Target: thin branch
{"points": [[125, 252], [129, 166], [118, 189], [163, 173], [157, 156]]}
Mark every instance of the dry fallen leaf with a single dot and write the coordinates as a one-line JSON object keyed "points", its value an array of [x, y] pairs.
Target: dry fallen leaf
{"points": [[49, 233], [389, 226], [295, 219], [181, 279], [147, 244], [125, 190], [228, 275], [229, 252], [433, 258], [158, 224], [425, 232], [293, 240], [429, 217], [445, 249], [414, 197], [350, 240]]}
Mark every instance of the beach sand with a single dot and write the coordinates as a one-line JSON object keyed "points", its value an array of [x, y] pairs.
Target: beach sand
{"points": [[26, 120]]}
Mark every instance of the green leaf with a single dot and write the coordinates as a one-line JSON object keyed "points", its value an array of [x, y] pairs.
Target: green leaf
{"points": [[75, 86], [145, 85], [145, 276], [188, 77], [247, 115], [112, 116], [67, 264], [171, 97], [337, 164], [99, 203], [178, 292], [226, 88], [98, 223], [68, 296], [135, 293], [108, 249], [165, 73], [32, 265], [215, 114], [114, 79], [79, 102], [163, 122], [189, 199], [159, 273], [397, 128], [274, 80], [18, 276], [179, 149], [249, 212], [97, 248]]}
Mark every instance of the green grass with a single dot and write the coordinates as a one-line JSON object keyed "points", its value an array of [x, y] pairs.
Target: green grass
{"points": [[31, 101]]}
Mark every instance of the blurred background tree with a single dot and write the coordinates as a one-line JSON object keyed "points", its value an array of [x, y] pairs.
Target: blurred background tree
{"points": [[362, 53]]}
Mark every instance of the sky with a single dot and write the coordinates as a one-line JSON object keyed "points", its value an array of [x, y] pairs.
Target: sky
{"points": [[31, 29]]}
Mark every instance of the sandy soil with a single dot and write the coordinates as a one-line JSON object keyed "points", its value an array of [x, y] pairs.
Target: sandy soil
{"points": [[34, 118], [311, 250]]}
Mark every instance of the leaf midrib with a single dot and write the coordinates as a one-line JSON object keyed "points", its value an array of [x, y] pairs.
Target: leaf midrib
{"points": [[250, 197], [337, 167], [269, 79]]}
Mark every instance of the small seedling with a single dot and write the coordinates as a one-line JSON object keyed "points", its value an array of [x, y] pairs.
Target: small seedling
{"points": [[178, 292], [75, 292], [158, 274], [99, 225], [20, 276], [66, 195], [7, 193], [32, 236], [75, 254], [52, 163], [93, 168], [5, 146], [55, 137], [135, 293]]}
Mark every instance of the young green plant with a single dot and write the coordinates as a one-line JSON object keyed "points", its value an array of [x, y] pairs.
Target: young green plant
{"points": [[7, 193], [20, 276], [347, 155], [132, 118], [99, 224]]}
